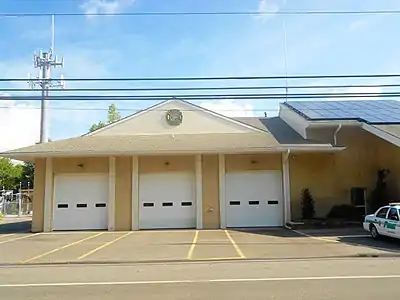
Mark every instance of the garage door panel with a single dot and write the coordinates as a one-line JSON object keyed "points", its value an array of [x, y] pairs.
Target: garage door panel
{"points": [[254, 199], [167, 201], [80, 202]]}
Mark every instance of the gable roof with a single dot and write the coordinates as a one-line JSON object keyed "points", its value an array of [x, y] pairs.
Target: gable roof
{"points": [[166, 102], [149, 144]]}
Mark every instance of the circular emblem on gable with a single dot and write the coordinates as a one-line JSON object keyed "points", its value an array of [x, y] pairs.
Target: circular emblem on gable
{"points": [[174, 117]]}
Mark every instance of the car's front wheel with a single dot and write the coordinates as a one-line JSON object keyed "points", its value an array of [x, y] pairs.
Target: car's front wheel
{"points": [[374, 232]]}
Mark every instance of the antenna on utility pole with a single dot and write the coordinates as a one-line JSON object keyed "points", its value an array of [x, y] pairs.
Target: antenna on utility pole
{"points": [[44, 61], [52, 33]]}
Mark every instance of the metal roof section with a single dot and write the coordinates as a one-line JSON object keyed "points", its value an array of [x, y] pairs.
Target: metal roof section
{"points": [[373, 112], [281, 131]]}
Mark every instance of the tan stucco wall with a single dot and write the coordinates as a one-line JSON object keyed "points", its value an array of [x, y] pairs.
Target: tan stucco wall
{"points": [[210, 178], [246, 162], [171, 163], [89, 165], [38, 199], [123, 193], [331, 176], [315, 171]]}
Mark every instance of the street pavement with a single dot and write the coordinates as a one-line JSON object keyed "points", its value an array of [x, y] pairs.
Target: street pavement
{"points": [[185, 245], [342, 279]]}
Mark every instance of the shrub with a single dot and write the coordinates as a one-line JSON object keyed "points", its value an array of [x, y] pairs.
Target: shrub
{"points": [[379, 196], [345, 212], [307, 204]]}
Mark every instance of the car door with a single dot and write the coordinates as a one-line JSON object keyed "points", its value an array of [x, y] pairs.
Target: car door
{"points": [[397, 231], [380, 219], [392, 222]]}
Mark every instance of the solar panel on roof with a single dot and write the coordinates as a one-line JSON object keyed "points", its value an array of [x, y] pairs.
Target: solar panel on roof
{"points": [[370, 111]]}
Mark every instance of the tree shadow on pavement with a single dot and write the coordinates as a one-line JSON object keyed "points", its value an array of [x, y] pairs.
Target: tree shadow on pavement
{"points": [[386, 244], [274, 232], [15, 226]]}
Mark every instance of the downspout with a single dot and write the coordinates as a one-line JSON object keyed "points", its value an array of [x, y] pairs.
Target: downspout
{"points": [[285, 194], [287, 155], [335, 135]]}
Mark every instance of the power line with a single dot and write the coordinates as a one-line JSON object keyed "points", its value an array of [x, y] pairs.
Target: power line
{"points": [[218, 78], [162, 110], [206, 13], [208, 97], [208, 88]]}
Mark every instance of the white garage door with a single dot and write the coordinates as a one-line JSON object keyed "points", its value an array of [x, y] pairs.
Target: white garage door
{"points": [[167, 200], [254, 199], [80, 202]]}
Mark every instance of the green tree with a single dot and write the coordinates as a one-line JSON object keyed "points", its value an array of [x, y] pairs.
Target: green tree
{"points": [[113, 116], [10, 174], [27, 174]]}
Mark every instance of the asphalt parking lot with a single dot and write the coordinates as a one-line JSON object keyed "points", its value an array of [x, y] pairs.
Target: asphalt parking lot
{"points": [[187, 245]]}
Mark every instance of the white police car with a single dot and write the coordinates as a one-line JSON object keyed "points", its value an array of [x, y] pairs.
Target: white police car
{"points": [[385, 221]]}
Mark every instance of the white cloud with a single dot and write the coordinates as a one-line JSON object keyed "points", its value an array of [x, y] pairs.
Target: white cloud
{"points": [[20, 125], [229, 108], [265, 8], [105, 6], [373, 91]]}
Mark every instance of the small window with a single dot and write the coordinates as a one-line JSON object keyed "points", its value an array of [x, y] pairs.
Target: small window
{"points": [[186, 203], [62, 206], [254, 202], [382, 212], [81, 205], [148, 204], [101, 205], [273, 202], [168, 204], [234, 202]]}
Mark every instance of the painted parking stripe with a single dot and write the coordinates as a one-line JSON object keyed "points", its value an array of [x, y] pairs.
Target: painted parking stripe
{"points": [[103, 246], [315, 237], [20, 238], [63, 247], [7, 235], [239, 252], [195, 238], [352, 236], [194, 281], [330, 238]]}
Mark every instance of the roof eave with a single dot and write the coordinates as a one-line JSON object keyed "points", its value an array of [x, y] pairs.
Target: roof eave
{"points": [[331, 123], [30, 156]]}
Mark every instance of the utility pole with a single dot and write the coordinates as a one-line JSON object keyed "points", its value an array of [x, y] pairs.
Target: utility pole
{"points": [[44, 62]]}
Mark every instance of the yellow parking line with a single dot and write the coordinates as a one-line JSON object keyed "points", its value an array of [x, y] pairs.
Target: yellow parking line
{"points": [[19, 238], [103, 246], [315, 237], [216, 258], [235, 245], [6, 235], [63, 247], [190, 253]]}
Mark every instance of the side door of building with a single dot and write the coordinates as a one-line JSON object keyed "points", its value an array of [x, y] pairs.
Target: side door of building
{"points": [[392, 222], [380, 219]]}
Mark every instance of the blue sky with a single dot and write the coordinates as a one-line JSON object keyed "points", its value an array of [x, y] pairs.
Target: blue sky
{"points": [[148, 46]]}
